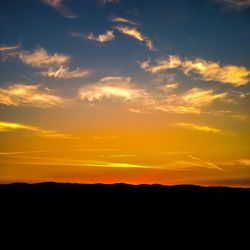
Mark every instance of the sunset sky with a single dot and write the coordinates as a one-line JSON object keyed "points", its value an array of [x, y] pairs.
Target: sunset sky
{"points": [[109, 91]]}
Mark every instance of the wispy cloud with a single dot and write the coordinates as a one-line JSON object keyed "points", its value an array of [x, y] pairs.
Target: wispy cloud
{"points": [[52, 65], [235, 4], [196, 97], [60, 151], [141, 100], [205, 163], [112, 88], [192, 101], [198, 127], [11, 126], [115, 165], [133, 32], [102, 38], [4, 48], [206, 70], [168, 87], [59, 6], [20, 94], [213, 71], [117, 19], [137, 111], [245, 162], [66, 73], [178, 109], [109, 1], [40, 58], [171, 62], [81, 163]]}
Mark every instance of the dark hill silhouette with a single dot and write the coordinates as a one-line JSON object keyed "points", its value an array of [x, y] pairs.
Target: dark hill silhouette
{"points": [[82, 216]]}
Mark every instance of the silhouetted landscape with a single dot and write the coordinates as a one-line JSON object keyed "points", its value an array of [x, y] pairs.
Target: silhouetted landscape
{"points": [[74, 216]]}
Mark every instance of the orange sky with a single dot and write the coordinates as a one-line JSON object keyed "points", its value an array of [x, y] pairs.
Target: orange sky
{"points": [[89, 96]]}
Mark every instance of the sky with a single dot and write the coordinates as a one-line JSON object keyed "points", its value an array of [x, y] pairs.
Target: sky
{"points": [[111, 91]]}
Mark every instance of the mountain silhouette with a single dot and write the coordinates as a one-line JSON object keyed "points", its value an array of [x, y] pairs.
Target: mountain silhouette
{"points": [[121, 216]]}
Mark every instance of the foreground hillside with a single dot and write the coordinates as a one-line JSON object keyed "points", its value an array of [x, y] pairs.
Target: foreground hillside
{"points": [[74, 216]]}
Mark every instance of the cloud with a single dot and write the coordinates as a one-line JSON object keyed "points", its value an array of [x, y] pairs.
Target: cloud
{"points": [[53, 65], [102, 38], [116, 19], [10, 126], [66, 73], [232, 114], [178, 109], [138, 111], [109, 1], [168, 87], [235, 4], [196, 97], [115, 165], [20, 94], [4, 48], [133, 32], [40, 58], [205, 163], [140, 100], [202, 128], [206, 70], [236, 162], [112, 88], [191, 101], [212, 71], [171, 62], [81, 163], [58, 5]]}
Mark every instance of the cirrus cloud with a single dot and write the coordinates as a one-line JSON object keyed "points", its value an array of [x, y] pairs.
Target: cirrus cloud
{"points": [[59, 6], [171, 62], [117, 19], [11, 126], [199, 127], [206, 70], [4, 48], [235, 4], [196, 97], [40, 58], [192, 101], [52, 65], [112, 88], [102, 38], [133, 32], [20, 94], [66, 73], [109, 1], [141, 100]]}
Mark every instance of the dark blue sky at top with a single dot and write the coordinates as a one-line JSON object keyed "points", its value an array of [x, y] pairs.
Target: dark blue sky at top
{"points": [[200, 28]]}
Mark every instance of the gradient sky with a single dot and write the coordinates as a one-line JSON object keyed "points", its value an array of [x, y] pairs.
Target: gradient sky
{"points": [[107, 91]]}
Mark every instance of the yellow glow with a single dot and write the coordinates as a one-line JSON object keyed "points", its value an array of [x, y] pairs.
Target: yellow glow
{"points": [[197, 127], [8, 126], [116, 165]]}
